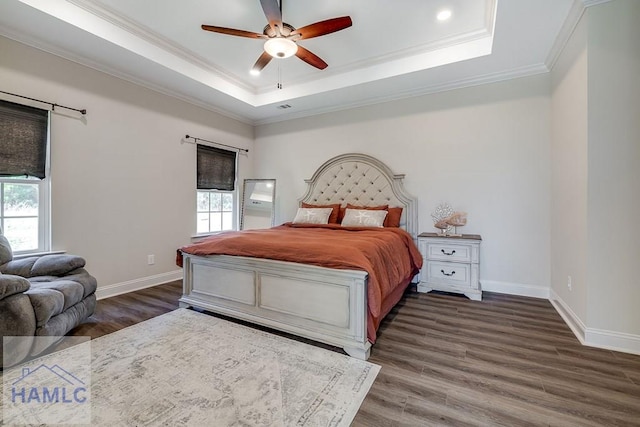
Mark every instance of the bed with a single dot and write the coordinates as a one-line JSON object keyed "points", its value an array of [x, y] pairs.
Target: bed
{"points": [[325, 304]]}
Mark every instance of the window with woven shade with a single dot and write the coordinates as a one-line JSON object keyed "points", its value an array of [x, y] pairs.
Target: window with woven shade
{"points": [[24, 185], [216, 189]]}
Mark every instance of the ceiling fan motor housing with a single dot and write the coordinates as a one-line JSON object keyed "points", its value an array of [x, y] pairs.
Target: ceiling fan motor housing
{"points": [[285, 30]]}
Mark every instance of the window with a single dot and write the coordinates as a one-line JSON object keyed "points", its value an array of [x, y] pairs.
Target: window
{"points": [[215, 211], [24, 187], [21, 219], [216, 194]]}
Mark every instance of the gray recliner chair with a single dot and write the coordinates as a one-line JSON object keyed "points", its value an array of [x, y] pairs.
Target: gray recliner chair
{"points": [[41, 296]]}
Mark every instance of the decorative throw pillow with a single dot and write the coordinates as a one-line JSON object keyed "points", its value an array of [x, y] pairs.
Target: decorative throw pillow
{"points": [[393, 218], [333, 218], [56, 265], [312, 216], [368, 208], [364, 218]]}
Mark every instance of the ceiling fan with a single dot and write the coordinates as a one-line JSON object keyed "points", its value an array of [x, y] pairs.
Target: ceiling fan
{"points": [[282, 38]]}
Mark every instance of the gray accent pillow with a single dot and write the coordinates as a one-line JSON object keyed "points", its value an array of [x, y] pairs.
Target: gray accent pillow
{"points": [[56, 265]]}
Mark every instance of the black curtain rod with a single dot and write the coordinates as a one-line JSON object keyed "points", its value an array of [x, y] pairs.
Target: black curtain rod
{"points": [[53, 104], [213, 142]]}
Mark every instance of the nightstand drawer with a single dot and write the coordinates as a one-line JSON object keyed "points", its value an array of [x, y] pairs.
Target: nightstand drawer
{"points": [[449, 273], [449, 252]]}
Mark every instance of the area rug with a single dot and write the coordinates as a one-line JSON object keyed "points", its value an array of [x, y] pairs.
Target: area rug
{"points": [[189, 368]]}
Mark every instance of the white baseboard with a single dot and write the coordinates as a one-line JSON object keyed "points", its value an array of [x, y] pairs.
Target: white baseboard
{"points": [[611, 340], [574, 323], [137, 284], [592, 337], [515, 289]]}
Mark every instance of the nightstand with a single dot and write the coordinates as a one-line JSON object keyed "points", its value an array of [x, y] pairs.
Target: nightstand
{"points": [[451, 264]]}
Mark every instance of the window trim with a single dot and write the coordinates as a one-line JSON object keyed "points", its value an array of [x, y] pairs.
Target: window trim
{"points": [[234, 212], [44, 212]]}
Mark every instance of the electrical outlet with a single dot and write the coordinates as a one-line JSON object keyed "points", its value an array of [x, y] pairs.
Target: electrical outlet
{"points": [[151, 259], [569, 282]]}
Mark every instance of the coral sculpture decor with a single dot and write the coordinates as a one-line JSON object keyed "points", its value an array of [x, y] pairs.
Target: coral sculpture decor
{"points": [[447, 221]]}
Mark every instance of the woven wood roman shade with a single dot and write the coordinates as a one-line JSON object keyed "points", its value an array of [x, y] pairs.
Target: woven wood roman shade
{"points": [[216, 169], [23, 140]]}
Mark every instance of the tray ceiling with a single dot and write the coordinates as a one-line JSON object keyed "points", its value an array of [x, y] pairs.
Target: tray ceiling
{"points": [[393, 50]]}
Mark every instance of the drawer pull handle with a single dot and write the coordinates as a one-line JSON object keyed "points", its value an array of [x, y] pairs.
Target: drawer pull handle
{"points": [[448, 253], [448, 274]]}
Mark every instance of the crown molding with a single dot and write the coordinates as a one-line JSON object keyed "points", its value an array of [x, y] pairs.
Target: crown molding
{"points": [[573, 18], [100, 67], [138, 30], [413, 92], [589, 3]]}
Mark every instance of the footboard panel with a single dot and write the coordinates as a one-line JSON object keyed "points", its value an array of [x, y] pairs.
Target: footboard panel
{"points": [[319, 303], [326, 303]]}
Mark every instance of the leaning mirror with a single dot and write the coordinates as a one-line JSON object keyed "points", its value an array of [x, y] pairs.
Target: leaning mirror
{"points": [[258, 198]]}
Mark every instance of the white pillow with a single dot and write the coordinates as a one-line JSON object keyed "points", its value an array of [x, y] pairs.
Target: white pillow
{"points": [[312, 216], [364, 218]]}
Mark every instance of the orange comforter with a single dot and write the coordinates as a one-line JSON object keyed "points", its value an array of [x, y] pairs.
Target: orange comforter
{"points": [[389, 255]]}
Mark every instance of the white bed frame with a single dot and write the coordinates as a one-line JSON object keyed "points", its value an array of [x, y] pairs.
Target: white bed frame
{"points": [[323, 304]]}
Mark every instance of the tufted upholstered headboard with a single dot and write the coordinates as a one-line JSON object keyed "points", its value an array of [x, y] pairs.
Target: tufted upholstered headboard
{"points": [[362, 180]]}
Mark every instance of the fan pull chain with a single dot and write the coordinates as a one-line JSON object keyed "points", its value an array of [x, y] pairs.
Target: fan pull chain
{"points": [[279, 85]]}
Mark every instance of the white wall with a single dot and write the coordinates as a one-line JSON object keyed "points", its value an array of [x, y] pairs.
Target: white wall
{"points": [[123, 184], [484, 150], [595, 177], [614, 167], [569, 173]]}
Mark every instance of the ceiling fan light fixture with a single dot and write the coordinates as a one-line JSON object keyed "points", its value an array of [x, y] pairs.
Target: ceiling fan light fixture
{"points": [[279, 47]]}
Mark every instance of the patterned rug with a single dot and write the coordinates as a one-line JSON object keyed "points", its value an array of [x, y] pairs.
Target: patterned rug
{"points": [[188, 368]]}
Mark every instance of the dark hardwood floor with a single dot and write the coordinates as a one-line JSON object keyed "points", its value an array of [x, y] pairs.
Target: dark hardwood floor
{"points": [[118, 312], [447, 360]]}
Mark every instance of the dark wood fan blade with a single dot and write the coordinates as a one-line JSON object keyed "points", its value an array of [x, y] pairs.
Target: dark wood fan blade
{"points": [[323, 27], [233, 32], [273, 14], [311, 58], [261, 62]]}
